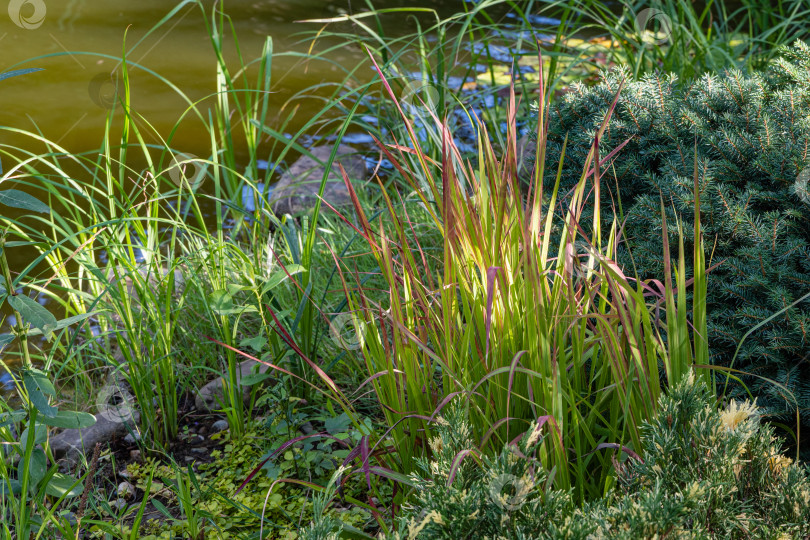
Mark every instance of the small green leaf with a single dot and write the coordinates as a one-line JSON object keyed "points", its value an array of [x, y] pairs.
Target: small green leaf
{"points": [[255, 378], [234, 289], [278, 276], [34, 314], [37, 467], [70, 420], [337, 424], [9, 483], [42, 381], [63, 485], [64, 323], [5, 339], [38, 387], [162, 509], [257, 343], [220, 300], [19, 199], [40, 434], [40, 402]]}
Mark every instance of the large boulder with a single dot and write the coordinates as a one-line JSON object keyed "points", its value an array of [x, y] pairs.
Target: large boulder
{"points": [[69, 445], [297, 190]]}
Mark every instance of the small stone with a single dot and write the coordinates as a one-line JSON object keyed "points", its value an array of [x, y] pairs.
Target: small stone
{"points": [[211, 397], [219, 425], [189, 459], [199, 450], [123, 473], [132, 438], [125, 490], [119, 504], [135, 455]]}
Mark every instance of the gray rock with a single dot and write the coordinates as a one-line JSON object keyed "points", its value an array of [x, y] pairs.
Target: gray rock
{"points": [[70, 444], [119, 504], [210, 396], [219, 425], [132, 438], [297, 190]]}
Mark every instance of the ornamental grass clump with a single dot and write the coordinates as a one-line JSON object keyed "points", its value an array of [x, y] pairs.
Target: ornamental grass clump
{"points": [[513, 325], [707, 472]]}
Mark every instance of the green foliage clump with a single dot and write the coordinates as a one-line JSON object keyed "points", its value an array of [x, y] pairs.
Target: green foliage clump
{"points": [[705, 472], [751, 134]]}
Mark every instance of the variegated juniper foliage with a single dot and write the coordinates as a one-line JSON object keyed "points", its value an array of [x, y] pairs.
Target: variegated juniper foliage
{"points": [[706, 472], [752, 135]]}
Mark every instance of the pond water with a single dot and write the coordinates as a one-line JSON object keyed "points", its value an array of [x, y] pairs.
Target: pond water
{"points": [[79, 43], [67, 101]]}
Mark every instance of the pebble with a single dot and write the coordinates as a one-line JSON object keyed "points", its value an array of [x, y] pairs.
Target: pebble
{"points": [[132, 438], [199, 450], [126, 490], [119, 504], [135, 455], [219, 425]]}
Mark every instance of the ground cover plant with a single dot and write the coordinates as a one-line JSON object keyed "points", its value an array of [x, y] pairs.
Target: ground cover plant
{"points": [[463, 349]]}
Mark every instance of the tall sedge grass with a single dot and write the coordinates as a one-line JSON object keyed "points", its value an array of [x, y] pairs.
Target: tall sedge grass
{"points": [[516, 323]]}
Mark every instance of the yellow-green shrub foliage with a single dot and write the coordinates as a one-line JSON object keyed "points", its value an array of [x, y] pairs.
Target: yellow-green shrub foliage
{"points": [[705, 472]]}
